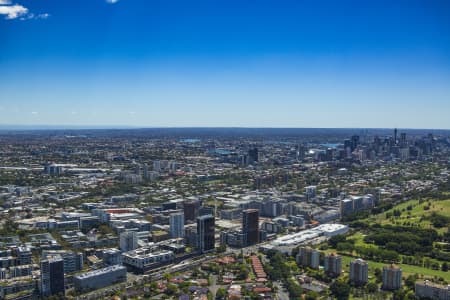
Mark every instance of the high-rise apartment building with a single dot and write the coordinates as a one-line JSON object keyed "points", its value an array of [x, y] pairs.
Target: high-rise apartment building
{"points": [[52, 275], [250, 226], [359, 272], [333, 264], [392, 277], [205, 233], [176, 225]]}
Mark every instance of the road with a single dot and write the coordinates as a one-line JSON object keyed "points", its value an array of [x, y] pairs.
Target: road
{"points": [[281, 291]]}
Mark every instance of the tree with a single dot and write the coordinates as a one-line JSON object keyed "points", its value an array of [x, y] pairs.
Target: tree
{"points": [[295, 291], [340, 289], [171, 289], [221, 294], [311, 295], [378, 274], [444, 267], [372, 287], [410, 281], [221, 249], [335, 240]]}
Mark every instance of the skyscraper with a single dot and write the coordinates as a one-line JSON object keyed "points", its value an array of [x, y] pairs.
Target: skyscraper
{"points": [[205, 233], [177, 225], [392, 277], [250, 226], [359, 272], [395, 136], [253, 155], [403, 142], [52, 275], [128, 241]]}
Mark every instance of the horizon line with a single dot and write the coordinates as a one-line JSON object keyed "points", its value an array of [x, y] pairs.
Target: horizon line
{"points": [[35, 127]]}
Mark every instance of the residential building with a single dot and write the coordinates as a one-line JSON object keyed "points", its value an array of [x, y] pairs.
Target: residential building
{"points": [[128, 241], [308, 257], [430, 290], [250, 226], [333, 264], [100, 278], [359, 272], [392, 277], [52, 275], [177, 225], [73, 261], [112, 257], [143, 259]]}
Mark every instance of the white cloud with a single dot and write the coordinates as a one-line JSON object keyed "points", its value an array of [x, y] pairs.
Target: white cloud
{"points": [[34, 113], [18, 11], [35, 17], [109, 1], [43, 16], [13, 11]]}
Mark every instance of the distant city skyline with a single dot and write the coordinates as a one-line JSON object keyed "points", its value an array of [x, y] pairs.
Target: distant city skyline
{"points": [[295, 64]]}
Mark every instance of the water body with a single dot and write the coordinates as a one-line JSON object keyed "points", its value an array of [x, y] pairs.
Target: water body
{"points": [[223, 151], [329, 145], [190, 140]]}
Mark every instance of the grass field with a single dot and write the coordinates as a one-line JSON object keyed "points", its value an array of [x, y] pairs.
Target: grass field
{"points": [[415, 215], [407, 269]]}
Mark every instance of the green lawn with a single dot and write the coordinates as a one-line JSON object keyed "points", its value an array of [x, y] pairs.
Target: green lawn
{"points": [[413, 217], [407, 269]]}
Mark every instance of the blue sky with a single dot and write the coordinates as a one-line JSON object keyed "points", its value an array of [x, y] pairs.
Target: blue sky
{"points": [[252, 63]]}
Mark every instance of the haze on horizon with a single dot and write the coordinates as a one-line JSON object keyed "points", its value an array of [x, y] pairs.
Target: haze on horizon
{"points": [[159, 63]]}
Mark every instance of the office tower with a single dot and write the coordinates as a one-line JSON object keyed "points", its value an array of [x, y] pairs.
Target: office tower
{"points": [[206, 210], [128, 241], [250, 226], [191, 208], [205, 233], [137, 169], [392, 277], [346, 207], [329, 154], [52, 275], [354, 142], [169, 206], [177, 225], [333, 264], [253, 155], [308, 257], [301, 152], [359, 272], [395, 136], [403, 143], [310, 192], [157, 165], [145, 171]]}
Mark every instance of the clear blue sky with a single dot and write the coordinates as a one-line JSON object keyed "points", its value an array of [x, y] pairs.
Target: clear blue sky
{"points": [[250, 63]]}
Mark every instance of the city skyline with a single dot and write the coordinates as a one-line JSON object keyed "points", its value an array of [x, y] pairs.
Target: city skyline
{"points": [[235, 64]]}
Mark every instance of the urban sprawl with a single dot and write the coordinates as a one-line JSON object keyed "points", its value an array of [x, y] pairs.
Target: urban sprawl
{"points": [[225, 214]]}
